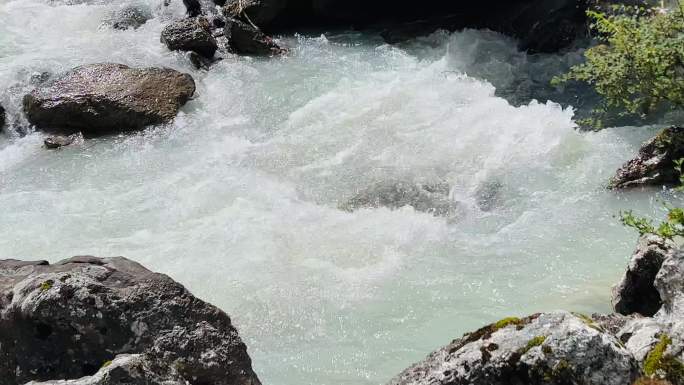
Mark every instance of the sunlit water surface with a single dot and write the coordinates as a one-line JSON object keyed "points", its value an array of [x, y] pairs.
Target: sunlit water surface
{"points": [[237, 199]]}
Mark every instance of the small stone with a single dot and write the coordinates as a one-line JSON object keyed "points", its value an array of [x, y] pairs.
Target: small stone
{"points": [[58, 141]]}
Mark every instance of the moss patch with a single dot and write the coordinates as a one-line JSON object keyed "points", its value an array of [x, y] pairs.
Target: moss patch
{"points": [[106, 363], [507, 322], [534, 342], [47, 285], [660, 365]]}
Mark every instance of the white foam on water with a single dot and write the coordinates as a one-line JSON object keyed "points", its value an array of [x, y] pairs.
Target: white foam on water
{"points": [[238, 198]]}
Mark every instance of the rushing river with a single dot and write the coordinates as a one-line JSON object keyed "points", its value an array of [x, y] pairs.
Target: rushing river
{"points": [[237, 199]]}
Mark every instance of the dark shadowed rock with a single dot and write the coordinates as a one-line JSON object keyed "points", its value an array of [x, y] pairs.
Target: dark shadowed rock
{"points": [[128, 17], [654, 164], [3, 117], [247, 40], [82, 316], [193, 34], [259, 12], [99, 99], [550, 348], [429, 198], [636, 292]]}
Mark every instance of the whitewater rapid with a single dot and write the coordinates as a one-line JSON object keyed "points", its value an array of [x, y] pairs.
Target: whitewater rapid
{"points": [[237, 199]]}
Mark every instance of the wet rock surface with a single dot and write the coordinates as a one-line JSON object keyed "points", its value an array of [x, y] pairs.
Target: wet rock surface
{"points": [[428, 198], [99, 99], [3, 117], [111, 321], [247, 40], [130, 17], [259, 12], [59, 141], [192, 34], [654, 163]]}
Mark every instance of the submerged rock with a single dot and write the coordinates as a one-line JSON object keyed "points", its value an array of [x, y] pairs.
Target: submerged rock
{"points": [[247, 40], [129, 17], [106, 98], [116, 321], [58, 141], [428, 198], [548, 348], [488, 195], [636, 292], [193, 34], [654, 164]]}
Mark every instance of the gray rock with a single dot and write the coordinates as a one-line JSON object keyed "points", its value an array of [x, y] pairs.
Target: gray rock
{"points": [[106, 98], [59, 141], [259, 12], [654, 164], [429, 198], [192, 34], [247, 40], [636, 292], [670, 285], [548, 348], [128, 17], [126, 369], [68, 320]]}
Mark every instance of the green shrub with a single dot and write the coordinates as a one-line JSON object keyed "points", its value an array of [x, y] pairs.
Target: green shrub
{"points": [[638, 65], [673, 225]]}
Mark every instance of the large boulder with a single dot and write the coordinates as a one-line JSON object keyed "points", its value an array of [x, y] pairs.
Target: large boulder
{"points": [[548, 348], [192, 34], [106, 98], [636, 292], [655, 162], [425, 197], [109, 317]]}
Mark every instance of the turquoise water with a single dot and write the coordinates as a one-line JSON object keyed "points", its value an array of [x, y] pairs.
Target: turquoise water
{"points": [[237, 199]]}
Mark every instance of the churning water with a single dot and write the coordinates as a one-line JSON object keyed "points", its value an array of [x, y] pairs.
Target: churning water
{"points": [[238, 198]]}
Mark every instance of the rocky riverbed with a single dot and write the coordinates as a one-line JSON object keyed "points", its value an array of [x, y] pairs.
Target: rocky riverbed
{"points": [[101, 321]]}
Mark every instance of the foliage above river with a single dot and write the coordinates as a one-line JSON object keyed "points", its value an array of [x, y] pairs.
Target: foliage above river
{"points": [[638, 66]]}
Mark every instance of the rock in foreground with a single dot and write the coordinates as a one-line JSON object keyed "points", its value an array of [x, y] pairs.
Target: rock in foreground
{"points": [[99, 99], [550, 348], [654, 164], [116, 321]]}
